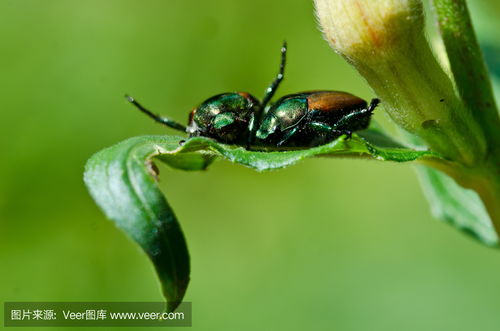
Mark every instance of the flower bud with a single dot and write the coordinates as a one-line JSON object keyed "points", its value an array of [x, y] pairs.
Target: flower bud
{"points": [[384, 40]]}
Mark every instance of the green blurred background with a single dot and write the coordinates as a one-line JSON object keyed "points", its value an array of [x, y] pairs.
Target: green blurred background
{"points": [[327, 244]]}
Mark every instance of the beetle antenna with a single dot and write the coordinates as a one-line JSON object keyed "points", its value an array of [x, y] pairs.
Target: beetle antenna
{"points": [[160, 119], [275, 84]]}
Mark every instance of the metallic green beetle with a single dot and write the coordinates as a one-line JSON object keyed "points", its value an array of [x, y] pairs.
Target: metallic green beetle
{"points": [[313, 118], [303, 119]]}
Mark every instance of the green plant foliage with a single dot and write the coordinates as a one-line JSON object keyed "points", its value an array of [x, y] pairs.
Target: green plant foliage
{"points": [[454, 115], [417, 93], [456, 205], [122, 179], [467, 65]]}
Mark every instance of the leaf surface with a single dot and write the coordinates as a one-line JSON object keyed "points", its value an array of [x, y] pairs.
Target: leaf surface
{"points": [[122, 179]]}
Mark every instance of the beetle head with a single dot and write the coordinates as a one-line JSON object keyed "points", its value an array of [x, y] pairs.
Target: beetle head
{"points": [[225, 117]]}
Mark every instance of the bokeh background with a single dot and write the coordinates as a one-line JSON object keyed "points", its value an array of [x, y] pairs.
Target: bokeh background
{"points": [[326, 244]]}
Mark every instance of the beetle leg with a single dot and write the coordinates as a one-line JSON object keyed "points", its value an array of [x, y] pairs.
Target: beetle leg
{"points": [[251, 129], [274, 85], [357, 120], [373, 104], [163, 120], [329, 129], [288, 135]]}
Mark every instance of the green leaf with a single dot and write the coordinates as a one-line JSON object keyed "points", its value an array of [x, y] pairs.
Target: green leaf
{"points": [[357, 147], [122, 179], [456, 205]]}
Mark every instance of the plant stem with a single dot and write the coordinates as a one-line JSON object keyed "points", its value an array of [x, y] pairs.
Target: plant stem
{"points": [[468, 66], [474, 86]]}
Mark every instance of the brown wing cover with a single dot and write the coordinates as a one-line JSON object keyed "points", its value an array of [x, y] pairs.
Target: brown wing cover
{"points": [[331, 101]]}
